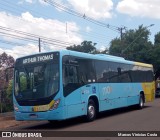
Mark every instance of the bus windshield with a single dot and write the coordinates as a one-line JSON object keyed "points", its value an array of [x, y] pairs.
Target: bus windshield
{"points": [[36, 81], [36, 78]]}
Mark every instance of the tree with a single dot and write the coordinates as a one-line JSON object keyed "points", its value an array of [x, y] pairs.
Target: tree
{"points": [[5, 98], [135, 45], [5, 62], [116, 47], [86, 46], [157, 40], [155, 55], [9, 89]]}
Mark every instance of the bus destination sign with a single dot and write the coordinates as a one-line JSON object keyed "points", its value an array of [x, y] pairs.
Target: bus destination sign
{"points": [[38, 58]]}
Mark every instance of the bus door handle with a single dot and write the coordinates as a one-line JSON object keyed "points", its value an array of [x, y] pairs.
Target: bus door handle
{"points": [[88, 85]]}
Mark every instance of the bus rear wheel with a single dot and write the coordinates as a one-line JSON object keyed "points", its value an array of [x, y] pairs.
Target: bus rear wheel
{"points": [[141, 102], [91, 111]]}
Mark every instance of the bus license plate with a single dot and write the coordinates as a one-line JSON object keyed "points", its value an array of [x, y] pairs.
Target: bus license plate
{"points": [[40, 108]]}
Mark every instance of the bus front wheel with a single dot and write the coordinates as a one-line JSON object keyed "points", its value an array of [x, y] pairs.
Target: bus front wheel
{"points": [[91, 110]]}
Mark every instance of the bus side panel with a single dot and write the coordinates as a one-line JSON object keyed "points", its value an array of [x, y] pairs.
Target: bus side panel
{"points": [[149, 91], [112, 95], [74, 104], [134, 92], [120, 91], [104, 102]]}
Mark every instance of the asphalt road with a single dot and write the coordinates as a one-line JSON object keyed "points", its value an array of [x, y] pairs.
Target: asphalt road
{"points": [[124, 119]]}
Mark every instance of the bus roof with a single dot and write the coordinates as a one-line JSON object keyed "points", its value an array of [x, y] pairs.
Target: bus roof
{"points": [[104, 57]]}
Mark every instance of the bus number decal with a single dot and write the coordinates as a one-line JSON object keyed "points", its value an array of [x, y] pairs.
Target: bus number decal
{"points": [[85, 91], [107, 90]]}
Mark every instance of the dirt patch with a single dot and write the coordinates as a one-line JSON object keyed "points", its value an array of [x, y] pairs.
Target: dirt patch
{"points": [[6, 118], [6, 122]]}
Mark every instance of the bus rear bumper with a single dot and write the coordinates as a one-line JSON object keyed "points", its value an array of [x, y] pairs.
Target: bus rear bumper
{"points": [[57, 114]]}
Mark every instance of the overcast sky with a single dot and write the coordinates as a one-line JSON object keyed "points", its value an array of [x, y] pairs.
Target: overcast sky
{"points": [[43, 19]]}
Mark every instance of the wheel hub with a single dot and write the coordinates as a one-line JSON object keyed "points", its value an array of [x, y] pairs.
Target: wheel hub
{"points": [[91, 111]]}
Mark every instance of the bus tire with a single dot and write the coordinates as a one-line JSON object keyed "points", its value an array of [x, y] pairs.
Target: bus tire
{"points": [[141, 102], [91, 111]]}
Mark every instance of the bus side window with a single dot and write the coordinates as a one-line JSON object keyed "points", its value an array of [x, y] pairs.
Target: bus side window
{"points": [[113, 72], [70, 79], [86, 71], [123, 73], [102, 71], [65, 76]]}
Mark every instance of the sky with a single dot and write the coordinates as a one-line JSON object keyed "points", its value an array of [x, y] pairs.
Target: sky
{"points": [[23, 22]]}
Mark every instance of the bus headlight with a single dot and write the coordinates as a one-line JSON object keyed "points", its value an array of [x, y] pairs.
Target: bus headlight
{"points": [[16, 108], [55, 105]]}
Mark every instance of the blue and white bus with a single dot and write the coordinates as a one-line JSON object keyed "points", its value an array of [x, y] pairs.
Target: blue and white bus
{"points": [[65, 84]]}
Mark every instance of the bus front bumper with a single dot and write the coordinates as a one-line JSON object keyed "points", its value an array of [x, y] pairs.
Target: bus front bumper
{"points": [[57, 114]]}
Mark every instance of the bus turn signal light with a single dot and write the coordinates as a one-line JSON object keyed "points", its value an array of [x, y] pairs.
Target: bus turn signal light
{"points": [[55, 105]]}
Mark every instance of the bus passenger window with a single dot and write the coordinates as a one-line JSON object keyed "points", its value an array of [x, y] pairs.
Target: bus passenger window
{"points": [[70, 79], [86, 71]]}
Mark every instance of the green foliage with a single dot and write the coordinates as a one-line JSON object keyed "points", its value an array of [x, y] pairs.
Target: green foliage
{"points": [[135, 45], [6, 104], [86, 46], [155, 55], [9, 89], [157, 40], [6, 87], [116, 47]]}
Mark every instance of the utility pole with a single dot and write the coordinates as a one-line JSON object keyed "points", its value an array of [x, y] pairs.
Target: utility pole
{"points": [[39, 44], [121, 32], [116, 29]]}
